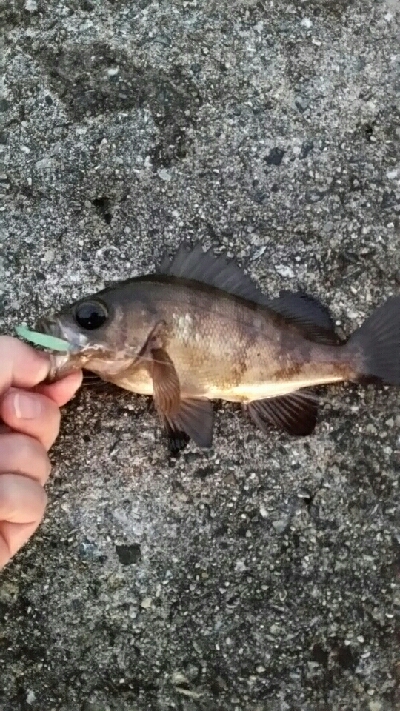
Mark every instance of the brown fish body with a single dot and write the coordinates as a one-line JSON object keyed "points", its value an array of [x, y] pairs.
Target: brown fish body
{"points": [[227, 348], [201, 330]]}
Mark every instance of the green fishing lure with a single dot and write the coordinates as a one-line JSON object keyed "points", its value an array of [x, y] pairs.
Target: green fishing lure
{"points": [[40, 339]]}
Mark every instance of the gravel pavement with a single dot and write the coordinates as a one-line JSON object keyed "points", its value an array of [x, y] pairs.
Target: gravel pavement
{"points": [[263, 575]]}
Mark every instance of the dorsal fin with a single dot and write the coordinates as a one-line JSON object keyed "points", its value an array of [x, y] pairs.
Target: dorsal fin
{"points": [[307, 313], [297, 308], [208, 268]]}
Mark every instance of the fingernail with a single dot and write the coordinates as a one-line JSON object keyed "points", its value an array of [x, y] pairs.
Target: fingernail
{"points": [[26, 407]]}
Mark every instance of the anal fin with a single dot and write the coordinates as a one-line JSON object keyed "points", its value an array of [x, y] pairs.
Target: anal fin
{"points": [[295, 413]]}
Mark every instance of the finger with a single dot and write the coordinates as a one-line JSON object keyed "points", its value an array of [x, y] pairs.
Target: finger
{"points": [[32, 414], [13, 536], [21, 454], [22, 505], [21, 365], [63, 390]]}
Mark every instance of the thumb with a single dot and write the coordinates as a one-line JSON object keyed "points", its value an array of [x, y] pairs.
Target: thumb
{"points": [[21, 365]]}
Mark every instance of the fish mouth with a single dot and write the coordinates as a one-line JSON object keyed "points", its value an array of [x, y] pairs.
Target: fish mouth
{"points": [[53, 327], [65, 363], [82, 354]]}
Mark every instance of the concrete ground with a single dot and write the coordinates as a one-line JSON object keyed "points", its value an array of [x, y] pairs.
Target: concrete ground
{"points": [[262, 576]]}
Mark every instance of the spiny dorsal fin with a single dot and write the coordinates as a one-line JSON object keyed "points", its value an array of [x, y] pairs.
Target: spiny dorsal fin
{"points": [[308, 313], [208, 268]]}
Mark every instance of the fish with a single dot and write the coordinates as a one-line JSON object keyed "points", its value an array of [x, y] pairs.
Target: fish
{"points": [[199, 329]]}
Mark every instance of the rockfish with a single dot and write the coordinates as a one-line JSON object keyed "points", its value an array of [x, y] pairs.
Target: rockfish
{"points": [[199, 329]]}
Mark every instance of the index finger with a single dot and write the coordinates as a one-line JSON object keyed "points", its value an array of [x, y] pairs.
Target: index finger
{"points": [[21, 365]]}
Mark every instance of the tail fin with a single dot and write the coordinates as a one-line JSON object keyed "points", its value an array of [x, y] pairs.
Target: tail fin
{"points": [[376, 344]]}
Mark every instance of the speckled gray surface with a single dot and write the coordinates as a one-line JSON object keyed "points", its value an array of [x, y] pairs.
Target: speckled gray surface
{"points": [[264, 574]]}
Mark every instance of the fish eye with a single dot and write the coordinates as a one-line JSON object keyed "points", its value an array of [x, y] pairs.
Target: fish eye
{"points": [[91, 315]]}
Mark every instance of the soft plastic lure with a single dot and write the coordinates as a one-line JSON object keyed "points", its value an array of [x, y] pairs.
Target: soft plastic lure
{"points": [[41, 339]]}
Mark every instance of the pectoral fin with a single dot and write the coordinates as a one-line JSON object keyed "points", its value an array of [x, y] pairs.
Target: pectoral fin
{"points": [[166, 387], [296, 413], [191, 417]]}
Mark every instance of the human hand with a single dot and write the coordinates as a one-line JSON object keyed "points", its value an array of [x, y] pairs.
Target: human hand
{"points": [[29, 425]]}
